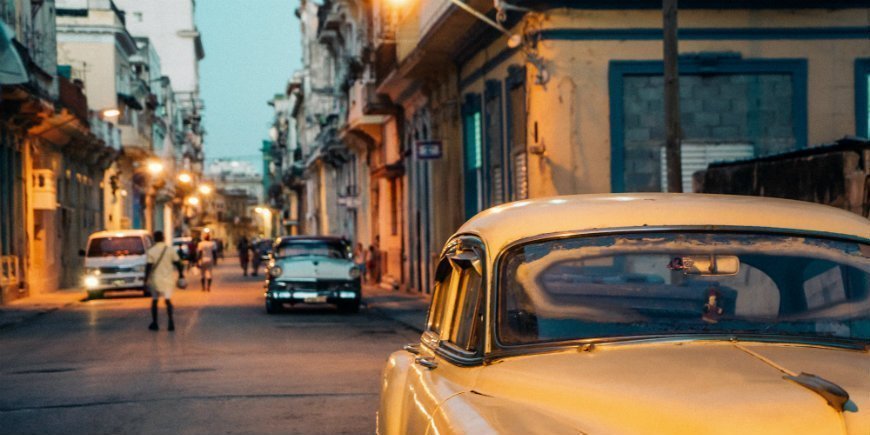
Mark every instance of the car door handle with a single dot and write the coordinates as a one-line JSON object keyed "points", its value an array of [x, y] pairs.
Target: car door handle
{"points": [[412, 348], [426, 361]]}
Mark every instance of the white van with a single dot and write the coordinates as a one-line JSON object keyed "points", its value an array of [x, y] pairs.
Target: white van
{"points": [[115, 261]]}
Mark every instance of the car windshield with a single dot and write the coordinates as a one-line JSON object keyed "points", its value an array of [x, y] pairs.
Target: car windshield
{"points": [[312, 248], [677, 283], [115, 246]]}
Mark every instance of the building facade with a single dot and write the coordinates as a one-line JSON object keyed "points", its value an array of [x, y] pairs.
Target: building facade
{"points": [[449, 112]]}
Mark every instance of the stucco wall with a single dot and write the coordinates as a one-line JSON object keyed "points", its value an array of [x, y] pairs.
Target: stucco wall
{"points": [[572, 109]]}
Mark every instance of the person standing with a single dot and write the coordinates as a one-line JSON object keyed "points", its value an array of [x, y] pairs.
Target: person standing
{"points": [[161, 259], [359, 259], [256, 259], [243, 247], [206, 252]]}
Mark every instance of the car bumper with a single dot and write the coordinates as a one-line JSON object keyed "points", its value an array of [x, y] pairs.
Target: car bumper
{"points": [[115, 283], [349, 293]]}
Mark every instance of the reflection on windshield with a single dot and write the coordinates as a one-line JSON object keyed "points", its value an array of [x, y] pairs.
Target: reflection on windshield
{"points": [[314, 249], [116, 246], [655, 284]]}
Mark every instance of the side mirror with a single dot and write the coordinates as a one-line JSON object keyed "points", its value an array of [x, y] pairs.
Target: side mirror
{"points": [[81, 252]]}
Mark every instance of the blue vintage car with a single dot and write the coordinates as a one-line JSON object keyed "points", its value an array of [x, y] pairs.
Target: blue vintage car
{"points": [[312, 270]]}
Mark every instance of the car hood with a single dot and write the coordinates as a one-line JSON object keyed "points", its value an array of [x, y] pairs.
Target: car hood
{"points": [[680, 387], [113, 261], [312, 268]]}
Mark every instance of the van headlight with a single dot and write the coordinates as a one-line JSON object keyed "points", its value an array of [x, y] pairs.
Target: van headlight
{"points": [[91, 281], [276, 271], [354, 272]]}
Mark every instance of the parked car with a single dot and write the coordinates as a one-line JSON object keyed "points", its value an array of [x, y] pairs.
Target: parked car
{"points": [[642, 313], [318, 270], [114, 261]]}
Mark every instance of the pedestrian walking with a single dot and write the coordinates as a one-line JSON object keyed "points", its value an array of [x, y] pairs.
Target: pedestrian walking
{"points": [[243, 247], [359, 258], [161, 259], [206, 252], [256, 259], [372, 266]]}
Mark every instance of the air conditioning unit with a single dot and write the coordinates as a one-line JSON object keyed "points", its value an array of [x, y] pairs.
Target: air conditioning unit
{"points": [[44, 190]]}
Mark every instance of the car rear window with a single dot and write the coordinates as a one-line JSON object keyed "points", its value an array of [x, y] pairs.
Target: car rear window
{"points": [[115, 246]]}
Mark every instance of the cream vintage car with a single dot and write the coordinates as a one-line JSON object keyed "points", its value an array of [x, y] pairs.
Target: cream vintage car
{"points": [[639, 314]]}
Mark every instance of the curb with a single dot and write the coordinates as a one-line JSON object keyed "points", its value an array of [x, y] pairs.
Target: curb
{"points": [[374, 309]]}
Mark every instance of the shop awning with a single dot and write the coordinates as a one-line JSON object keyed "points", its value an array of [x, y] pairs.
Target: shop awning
{"points": [[12, 70], [130, 101]]}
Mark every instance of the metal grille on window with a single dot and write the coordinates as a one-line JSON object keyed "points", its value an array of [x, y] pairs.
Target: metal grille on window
{"points": [[521, 176]]}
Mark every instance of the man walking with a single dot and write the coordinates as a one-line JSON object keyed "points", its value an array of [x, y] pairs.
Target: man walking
{"points": [[161, 259], [206, 252]]}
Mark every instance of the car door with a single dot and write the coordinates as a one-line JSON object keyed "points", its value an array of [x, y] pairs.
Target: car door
{"points": [[450, 353]]}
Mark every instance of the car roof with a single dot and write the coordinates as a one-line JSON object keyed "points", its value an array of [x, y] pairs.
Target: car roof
{"points": [[119, 233], [507, 223], [311, 239]]}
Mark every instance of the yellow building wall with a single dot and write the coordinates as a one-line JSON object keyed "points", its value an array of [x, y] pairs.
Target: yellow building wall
{"points": [[572, 110]]}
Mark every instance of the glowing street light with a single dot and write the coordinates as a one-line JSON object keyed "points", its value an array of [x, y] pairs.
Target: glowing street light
{"points": [[185, 178], [155, 167], [110, 113], [205, 189], [193, 200]]}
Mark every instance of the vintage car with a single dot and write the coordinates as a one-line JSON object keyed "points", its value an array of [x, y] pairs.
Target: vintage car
{"points": [[639, 314], [306, 270]]}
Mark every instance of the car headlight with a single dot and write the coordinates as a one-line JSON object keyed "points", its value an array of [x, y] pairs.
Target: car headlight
{"points": [[354, 272], [276, 271], [91, 281], [140, 268]]}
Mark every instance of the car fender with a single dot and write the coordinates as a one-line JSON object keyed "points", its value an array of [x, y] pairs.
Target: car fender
{"points": [[475, 413], [394, 380]]}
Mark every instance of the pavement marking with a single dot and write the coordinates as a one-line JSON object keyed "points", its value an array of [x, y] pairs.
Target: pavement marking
{"points": [[174, 399]]}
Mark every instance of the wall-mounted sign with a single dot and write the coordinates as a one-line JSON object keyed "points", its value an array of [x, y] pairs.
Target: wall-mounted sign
{"points": [[429, 149]]}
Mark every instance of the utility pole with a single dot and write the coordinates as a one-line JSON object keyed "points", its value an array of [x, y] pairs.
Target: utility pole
{"points": [[672, 96]]}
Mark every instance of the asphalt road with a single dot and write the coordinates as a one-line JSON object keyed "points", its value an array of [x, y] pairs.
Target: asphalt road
{"points": [[229, 368]]}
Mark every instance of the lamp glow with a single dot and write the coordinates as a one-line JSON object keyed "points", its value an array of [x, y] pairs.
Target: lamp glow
{"points": [[184, 177], [155, 167], [110, 113], [205, 189], [193, 200]]}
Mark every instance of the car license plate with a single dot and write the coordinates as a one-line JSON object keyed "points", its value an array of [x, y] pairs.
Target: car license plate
{"points": [[315, 299]]}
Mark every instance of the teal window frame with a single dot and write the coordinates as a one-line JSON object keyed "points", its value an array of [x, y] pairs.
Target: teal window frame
{"points": [[704, 63]]}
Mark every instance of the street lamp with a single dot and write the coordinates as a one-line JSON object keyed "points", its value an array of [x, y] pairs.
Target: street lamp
{"points": [[193, 200], [185, 178], [154, 167], [205, 189], [110, 112]]}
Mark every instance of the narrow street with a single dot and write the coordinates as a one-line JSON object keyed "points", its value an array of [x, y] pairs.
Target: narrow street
{"points": [[94, 367]]}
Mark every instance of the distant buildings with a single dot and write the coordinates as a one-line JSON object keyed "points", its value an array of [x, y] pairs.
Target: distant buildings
{"points": [[92, 135]]}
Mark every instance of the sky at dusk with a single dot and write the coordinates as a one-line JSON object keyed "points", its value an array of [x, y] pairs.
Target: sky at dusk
{"points": [[252, 48]]}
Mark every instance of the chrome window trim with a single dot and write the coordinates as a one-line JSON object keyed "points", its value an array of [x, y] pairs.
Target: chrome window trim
{"points": [[443, 348], [500, 350]]}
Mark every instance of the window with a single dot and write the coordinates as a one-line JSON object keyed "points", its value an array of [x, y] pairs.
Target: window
{"points": [[515, 85], [495, 152], [862, 102], [440, 295], [468, 315], [473, 147]]}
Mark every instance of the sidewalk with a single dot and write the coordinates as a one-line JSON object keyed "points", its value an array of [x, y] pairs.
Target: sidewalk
{"points": [[409, 309], [21, 310]]}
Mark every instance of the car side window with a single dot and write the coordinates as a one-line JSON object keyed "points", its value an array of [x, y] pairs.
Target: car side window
{"points": [[443, 277], [468, 315]]}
